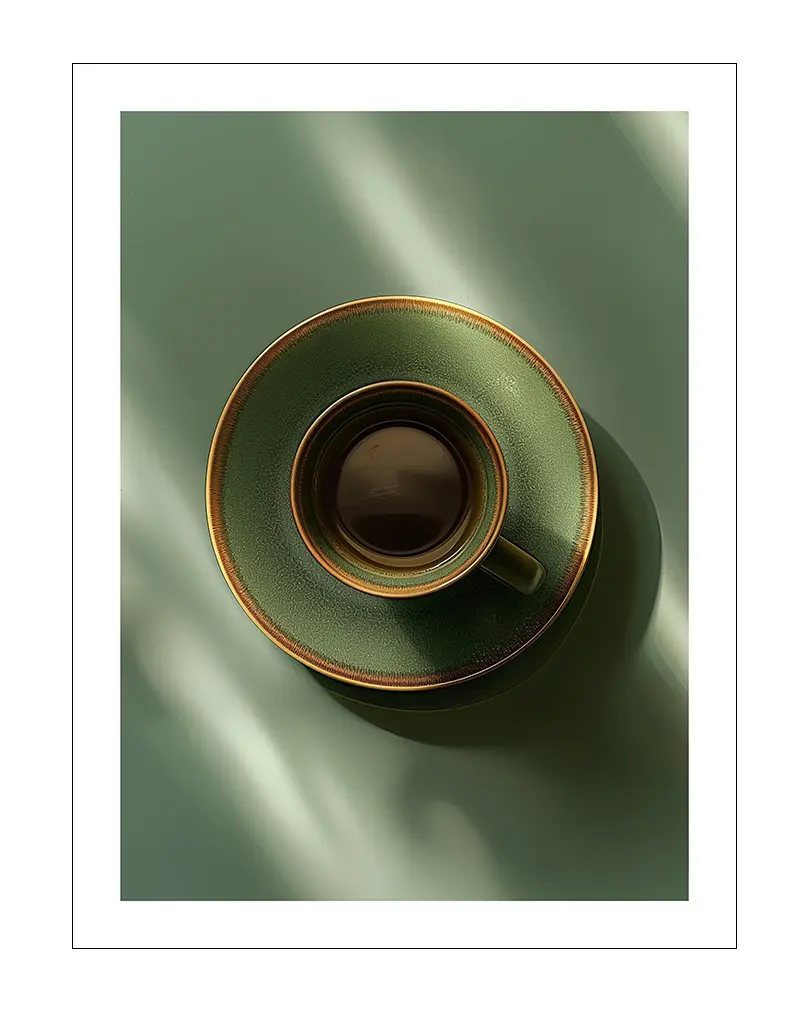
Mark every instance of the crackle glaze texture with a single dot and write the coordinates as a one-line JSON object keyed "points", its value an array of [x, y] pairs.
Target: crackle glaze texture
{"points": [[464, 629]]}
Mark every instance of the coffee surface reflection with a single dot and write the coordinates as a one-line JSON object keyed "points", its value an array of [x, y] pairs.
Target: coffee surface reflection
{"points": [[401, 491]]}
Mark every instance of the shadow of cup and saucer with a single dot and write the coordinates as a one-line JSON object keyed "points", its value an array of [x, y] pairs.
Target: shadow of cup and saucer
{"points": [[583, 712], [599, 630]]}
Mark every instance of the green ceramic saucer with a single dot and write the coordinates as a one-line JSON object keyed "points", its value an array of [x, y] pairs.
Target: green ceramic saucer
{"points": [[430, 641]]}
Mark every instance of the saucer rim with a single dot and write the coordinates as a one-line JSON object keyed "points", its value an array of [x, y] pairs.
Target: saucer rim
{"points": [[217, 458]]}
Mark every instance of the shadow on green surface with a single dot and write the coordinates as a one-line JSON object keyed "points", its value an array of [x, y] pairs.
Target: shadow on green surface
{"points": [[603, 624], [193, 829], [597, 727]]}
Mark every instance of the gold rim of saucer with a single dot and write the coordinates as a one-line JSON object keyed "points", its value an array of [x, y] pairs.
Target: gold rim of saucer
{"points": [[216, 469]]}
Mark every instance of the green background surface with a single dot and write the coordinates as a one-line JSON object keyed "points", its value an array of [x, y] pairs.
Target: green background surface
{"points": [[244, 776]]}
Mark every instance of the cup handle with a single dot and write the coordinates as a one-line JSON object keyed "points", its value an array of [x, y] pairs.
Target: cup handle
{"points": [[514, 567]]}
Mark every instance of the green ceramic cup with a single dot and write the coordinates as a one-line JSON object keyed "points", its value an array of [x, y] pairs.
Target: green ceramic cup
{"points": [[400, 489]]}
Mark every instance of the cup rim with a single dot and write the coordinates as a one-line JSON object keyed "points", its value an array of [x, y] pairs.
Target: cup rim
{"points": [[471, 562]]}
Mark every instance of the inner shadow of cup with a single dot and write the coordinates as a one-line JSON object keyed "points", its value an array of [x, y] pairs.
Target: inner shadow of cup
{"points": [[589, 645]]}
